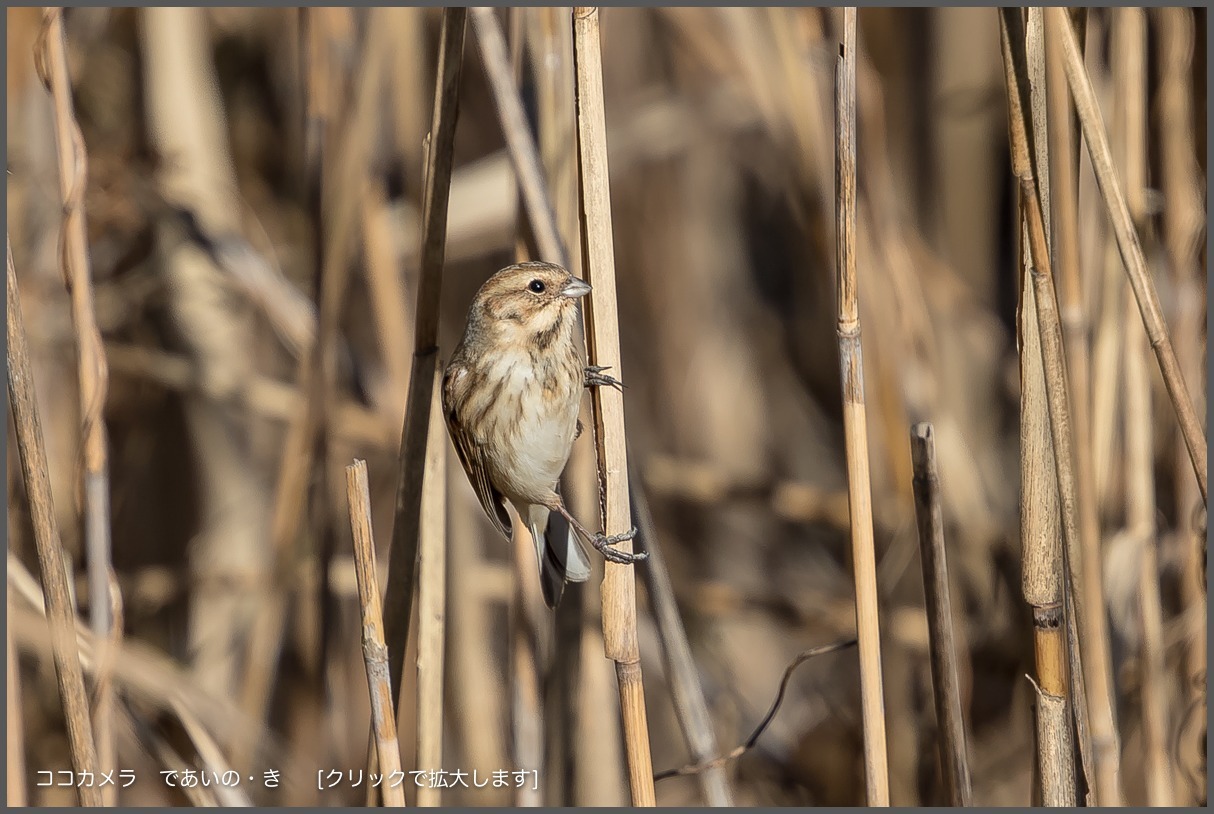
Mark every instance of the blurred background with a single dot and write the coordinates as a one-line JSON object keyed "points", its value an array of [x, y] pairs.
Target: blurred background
{"points": [[228, 149]]}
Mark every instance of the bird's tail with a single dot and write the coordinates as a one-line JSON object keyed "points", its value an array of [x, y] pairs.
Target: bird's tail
{"points": [[559, 553]]}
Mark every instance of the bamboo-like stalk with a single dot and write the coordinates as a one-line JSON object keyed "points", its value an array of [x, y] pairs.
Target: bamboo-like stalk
{"points": [[431, 602], [954, 757], [60, 615], [1042, 552], [15, 761], [1064, 180], [859, 490], [375, 652], [1128, 244], [603, 345], [92, 372], [688, 696], [402, 563]]}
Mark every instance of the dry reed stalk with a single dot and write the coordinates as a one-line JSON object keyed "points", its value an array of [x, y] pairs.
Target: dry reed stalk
{"points": [[1128, 244], [690, 706], [603, 346], [954, 757], [431, 602], [1042, 552], [876, 769], [375, 652], [1064, 180], [92, 372], [51, 564], [402, 563], [1183, 226], [15, 762], [1130, 36]]}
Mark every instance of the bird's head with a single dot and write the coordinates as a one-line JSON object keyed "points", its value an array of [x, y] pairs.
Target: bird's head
{"points": [[531, 299]]}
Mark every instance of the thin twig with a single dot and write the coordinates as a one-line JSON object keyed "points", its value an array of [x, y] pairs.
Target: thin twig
{"points": [[859, 489], [90, 356], [688, 696], [1128, 244], [51, 563], [954, 757], [750, 742], [375, 652]]}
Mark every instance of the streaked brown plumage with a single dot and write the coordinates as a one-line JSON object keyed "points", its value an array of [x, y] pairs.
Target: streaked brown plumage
{"points": [[511, 393]]}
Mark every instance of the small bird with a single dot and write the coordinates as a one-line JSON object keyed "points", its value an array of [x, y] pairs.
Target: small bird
{"points": [[511, 393]]}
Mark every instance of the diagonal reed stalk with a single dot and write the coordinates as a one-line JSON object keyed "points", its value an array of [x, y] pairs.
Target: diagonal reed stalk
{"points": [[52, 566], [375, 652], [859, 490], [954, 758], [685, 690], [90, 358], [603, 348], [1128, 243]]}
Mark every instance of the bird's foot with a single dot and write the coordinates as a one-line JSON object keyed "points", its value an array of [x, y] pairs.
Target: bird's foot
{"points": [[603, 543], [595, 377]]}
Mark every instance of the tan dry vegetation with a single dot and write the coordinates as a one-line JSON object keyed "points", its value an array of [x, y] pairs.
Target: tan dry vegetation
{"points": [[253, 229]]}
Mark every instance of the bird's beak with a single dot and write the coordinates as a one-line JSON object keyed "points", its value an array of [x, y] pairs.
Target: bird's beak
{"points": [[575, 288]]}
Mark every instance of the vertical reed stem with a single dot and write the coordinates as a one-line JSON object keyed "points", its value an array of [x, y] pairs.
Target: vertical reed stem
{"points": [[855, 423], [954, 759], [603, 344], [51, 564], [375, 652]]}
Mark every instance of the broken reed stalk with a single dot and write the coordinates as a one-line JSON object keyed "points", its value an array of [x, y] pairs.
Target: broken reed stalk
{"points": [[690, 706], [431, 602], [51, 563], [375, 652], [1130, 36], [855, 431], [603, 346], [1064, 183], [1128, 244], [1042, 579], [954, 758], [90, 356], [402, 563]]}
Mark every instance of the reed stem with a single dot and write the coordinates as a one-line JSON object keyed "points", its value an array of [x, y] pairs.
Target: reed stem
{"points": [[855, 423]]}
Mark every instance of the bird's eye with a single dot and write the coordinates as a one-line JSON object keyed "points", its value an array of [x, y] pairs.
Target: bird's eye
{"points": [[537, 286]]}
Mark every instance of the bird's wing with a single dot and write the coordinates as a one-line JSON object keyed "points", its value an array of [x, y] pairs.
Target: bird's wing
{"points": [[472, 455]]}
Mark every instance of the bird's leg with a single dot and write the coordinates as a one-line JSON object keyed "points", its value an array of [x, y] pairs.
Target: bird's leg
{"points": [[595, 377], [602, 543]]}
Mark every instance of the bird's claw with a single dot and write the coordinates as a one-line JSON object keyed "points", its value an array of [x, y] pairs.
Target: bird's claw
{"points": [[603, 543], [596, 378]]}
